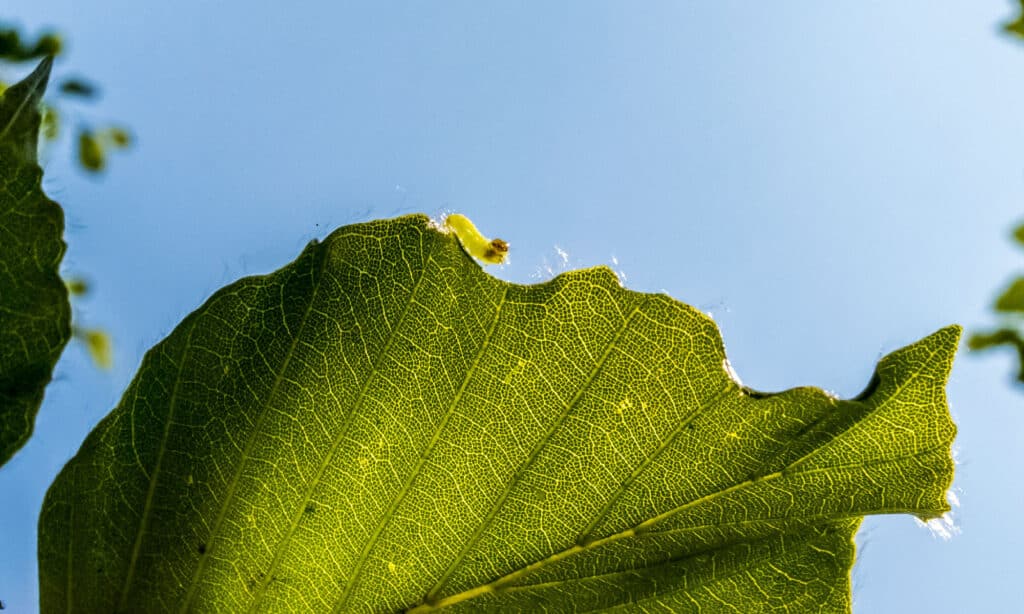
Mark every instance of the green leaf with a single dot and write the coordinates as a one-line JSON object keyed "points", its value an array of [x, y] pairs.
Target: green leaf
{"points": [[35, 316], [14, 49], [78, 87], [1016, 27], [91, 153], [1012, 299], [382, 426], [1018, 234], [1002, 336]]}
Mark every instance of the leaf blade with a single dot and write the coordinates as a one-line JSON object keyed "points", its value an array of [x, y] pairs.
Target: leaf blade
{"points": [[381, 426], [35, 318]]}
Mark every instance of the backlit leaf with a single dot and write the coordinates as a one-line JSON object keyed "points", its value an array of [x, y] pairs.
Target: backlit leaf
{"points": [[381, 426]]}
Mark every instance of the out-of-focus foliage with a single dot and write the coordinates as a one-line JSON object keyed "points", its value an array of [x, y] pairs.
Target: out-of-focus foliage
{"points": [[14, 47], [93, 142], [1009, 304], [93, 146], [1016, 27], [1010, 307], [97, 342]]}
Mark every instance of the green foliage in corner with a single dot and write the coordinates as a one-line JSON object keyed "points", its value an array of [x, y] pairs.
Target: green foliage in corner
{"points": [[35, 316], [382, 426]]}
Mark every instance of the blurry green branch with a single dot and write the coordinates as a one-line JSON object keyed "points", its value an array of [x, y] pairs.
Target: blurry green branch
{"points": [[93, 143], [1010, 308], [1009, 305]]}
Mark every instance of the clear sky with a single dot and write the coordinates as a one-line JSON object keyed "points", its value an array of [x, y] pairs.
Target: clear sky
{"points": [[831, 181]]}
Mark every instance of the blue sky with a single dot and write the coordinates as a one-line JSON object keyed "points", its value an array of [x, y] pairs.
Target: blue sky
{"points": [[831, 181]]}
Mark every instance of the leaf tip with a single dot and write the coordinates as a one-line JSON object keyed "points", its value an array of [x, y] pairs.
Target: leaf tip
{"points": [[20, 113]]}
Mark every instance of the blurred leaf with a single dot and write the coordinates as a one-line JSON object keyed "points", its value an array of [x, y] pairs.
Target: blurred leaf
{"points": [[49, 44], [1018, 234], [78, 87], [77, 286], [13, 48], [1003, 336], [10, 44], [98, 344], [119, 137], [35, 316], [1016, 27], [983, 341], [1012, 299], [382, 426], [91, 154]]}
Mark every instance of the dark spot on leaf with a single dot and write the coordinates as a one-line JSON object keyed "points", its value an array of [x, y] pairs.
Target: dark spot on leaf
{"points": [[310, 509], [202, 548]]}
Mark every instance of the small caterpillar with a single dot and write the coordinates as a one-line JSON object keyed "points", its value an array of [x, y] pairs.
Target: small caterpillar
{"points": [[489, 251]]}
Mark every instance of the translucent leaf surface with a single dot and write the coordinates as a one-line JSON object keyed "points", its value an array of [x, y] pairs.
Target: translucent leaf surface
{"points": [[35, 316], [382, 426]]}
